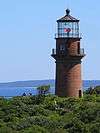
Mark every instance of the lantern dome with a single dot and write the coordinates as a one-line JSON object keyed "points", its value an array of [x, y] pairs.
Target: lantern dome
{"points": [[67, 18]]}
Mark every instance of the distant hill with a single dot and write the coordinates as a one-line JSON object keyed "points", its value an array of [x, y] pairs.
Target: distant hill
{"points": [[88, 83], [35, 83], [30, 83]]}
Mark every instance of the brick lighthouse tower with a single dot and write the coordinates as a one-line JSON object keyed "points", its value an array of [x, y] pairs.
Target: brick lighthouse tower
{"points": [[68, 55]]}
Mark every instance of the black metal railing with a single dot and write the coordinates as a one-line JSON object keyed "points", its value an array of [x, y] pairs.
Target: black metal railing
{"points": [[68, 35], [82, 51], [79, 53], [53, 51]]}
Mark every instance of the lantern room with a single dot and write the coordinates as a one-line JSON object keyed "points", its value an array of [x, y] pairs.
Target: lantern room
{"points": [[67, 26]]}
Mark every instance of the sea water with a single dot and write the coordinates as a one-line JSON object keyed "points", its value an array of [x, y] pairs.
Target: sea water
{"points": [[18, 91]]}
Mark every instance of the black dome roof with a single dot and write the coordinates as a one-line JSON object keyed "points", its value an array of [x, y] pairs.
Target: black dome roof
{"points": [[67, 18]]}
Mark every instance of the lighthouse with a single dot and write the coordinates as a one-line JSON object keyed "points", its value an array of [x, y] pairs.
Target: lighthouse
{"points": [[68, 57]]}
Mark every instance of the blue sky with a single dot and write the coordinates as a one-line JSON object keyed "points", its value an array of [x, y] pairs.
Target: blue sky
{"points": [[27, 29]]}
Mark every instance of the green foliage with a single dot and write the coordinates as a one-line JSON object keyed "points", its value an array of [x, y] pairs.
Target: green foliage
{"points": [[50, 114], [42, 90], [35, 129], [93, 90], [6, 130]]}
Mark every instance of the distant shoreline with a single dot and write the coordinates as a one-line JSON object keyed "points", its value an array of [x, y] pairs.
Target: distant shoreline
{"points": [[51, 82]]}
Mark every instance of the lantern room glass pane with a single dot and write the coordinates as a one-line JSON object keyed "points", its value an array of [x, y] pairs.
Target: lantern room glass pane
{"points": [[68, 29]]}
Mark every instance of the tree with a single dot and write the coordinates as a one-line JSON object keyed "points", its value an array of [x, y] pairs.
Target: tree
{"points": [[42, 90], [93, 90]]}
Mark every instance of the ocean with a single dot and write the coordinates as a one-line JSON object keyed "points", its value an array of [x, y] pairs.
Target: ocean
{"points": [[18, 91], [9, 90]]}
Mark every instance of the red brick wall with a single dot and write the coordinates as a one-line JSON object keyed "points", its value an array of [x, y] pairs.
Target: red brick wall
{"points": [[74, 83], [68, 70], [68, 80]]}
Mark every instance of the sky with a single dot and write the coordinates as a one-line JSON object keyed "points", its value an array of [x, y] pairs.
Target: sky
{"points": [[27, 29]]}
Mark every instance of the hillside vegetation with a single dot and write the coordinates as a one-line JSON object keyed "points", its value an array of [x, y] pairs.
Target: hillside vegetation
{"points": [[50, 114]]}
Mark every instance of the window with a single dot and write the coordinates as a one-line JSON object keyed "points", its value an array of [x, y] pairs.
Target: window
{"points": [[62, 47]]}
